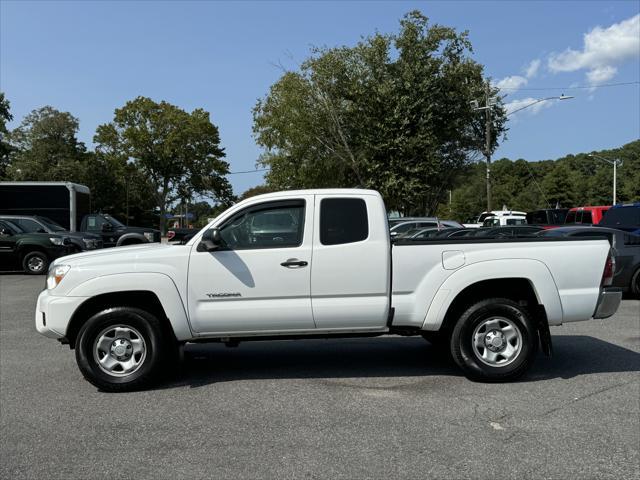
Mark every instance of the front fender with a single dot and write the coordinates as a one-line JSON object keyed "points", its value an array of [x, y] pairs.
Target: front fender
{"points": [[158, 283], [138, 237], [535, 271]]}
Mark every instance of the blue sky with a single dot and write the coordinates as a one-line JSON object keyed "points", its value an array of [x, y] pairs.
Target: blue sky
{"points": [[90, 57]]}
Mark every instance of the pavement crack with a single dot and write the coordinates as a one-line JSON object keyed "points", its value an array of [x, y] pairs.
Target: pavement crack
{"points": [[583, 397]]}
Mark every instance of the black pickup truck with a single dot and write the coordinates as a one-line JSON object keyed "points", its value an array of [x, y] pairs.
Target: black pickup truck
{"points": [[114, 233], [69, 205]]}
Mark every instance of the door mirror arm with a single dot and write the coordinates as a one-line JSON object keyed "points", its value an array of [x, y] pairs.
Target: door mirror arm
{"points": [[210, 241]]}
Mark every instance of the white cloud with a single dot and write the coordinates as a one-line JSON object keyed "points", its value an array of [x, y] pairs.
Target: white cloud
{"points": [[603, 49], [533, 109], [532, 68], [512, 83], [599, 75], [515, 82]]}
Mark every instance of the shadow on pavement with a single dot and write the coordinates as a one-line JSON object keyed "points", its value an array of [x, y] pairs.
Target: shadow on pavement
{"points": [[205, 364]]}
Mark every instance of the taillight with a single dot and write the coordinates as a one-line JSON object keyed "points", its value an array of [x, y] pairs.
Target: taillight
{"points": [[609, 270], [170, 234]]}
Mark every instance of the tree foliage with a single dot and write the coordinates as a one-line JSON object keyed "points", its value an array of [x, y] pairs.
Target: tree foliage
{"points": [[46, 147], [392, 113], [5, 146], [177, 152], [570, 181]]}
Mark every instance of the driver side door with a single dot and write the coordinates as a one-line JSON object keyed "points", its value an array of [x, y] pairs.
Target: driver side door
{"points": [[260, 277]]}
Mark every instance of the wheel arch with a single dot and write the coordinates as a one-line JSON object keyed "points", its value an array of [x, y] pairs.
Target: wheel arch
{"points": [[158, 295], [140, 299], [131, 239], [521, 280]]}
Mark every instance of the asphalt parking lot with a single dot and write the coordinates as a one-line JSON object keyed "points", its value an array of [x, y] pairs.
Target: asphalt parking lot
{"points": [[353, 408]]}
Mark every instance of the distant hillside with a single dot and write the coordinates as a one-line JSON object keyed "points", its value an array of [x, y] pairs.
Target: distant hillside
{"points": [[573, 180]]}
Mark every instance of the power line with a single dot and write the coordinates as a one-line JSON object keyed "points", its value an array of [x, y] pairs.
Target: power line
{"points": [[578, 87], [249, 171]]}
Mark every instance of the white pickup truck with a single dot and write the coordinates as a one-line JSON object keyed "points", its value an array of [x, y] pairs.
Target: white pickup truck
{"points": [[320, 263]]}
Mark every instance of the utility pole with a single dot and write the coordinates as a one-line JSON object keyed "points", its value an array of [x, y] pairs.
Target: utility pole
{"points": [[487, 146], [616, 163]]}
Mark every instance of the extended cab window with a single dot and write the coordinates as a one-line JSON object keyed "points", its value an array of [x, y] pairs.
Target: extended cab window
{"points": [[272, 225], [95, 223], [343, 220]]}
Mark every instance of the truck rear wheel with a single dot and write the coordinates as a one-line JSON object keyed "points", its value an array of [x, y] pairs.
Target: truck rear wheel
{"points": [[121, 349], [495, 340]]}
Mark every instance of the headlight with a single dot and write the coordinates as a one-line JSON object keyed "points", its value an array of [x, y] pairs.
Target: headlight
{"points": [[148, 236], [56, 274], [56, 241]]}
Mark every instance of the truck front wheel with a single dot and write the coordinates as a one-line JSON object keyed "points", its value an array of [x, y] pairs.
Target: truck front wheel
{"points": [[495, 340], [121, 349]]}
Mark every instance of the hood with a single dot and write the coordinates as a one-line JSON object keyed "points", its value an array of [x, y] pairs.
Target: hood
{"points": [[117, 254]]}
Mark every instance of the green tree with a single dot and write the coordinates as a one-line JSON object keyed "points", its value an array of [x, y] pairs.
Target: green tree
{"points": [[178, 152], [257, 190], [392, 113], [46, 147], [5, 146]]}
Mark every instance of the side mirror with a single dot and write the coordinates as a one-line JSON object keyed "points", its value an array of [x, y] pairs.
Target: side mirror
{"points": [[394, 234], [42, 230], [107, 227], [211, 240], [5, 232]]}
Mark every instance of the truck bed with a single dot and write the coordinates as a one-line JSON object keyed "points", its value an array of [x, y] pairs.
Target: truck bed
{"points": [[562, 281]]}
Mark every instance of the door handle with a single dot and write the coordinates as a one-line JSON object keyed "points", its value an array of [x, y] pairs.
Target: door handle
{"points": [[294, 262]]}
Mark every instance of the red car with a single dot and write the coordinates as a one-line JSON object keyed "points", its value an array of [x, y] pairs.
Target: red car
{"points": [[586, 215]]}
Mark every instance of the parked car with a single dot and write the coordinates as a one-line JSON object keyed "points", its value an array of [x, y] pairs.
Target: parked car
{"points": [[181, 235], [586, 215], [29, 252], [627, 252], [35, 224], [127, 311], [623, 216], [418, 223], [503, 220], [424, 233], [69, 205], [479, 222], [114, 233], [547, 217]]}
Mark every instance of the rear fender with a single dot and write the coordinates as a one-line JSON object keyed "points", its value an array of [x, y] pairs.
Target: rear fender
{"points": [[534, 271]]}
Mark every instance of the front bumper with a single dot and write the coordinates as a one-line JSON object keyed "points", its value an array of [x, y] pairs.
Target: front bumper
{"points": [[54, 313], [608, 302]]}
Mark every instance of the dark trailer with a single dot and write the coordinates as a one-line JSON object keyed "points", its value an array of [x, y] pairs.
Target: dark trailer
{"points": [[65, 203]]}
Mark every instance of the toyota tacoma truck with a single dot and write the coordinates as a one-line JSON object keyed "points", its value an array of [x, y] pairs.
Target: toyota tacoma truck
{"points": [[320, 263]]}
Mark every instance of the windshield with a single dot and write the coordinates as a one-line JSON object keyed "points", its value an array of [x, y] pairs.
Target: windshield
{"points": [[50, 224], [113, 221]]}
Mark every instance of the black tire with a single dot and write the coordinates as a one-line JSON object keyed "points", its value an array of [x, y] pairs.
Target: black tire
{"points": [[479, 321], [35, 263], [157, 349], [635, 284]]}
